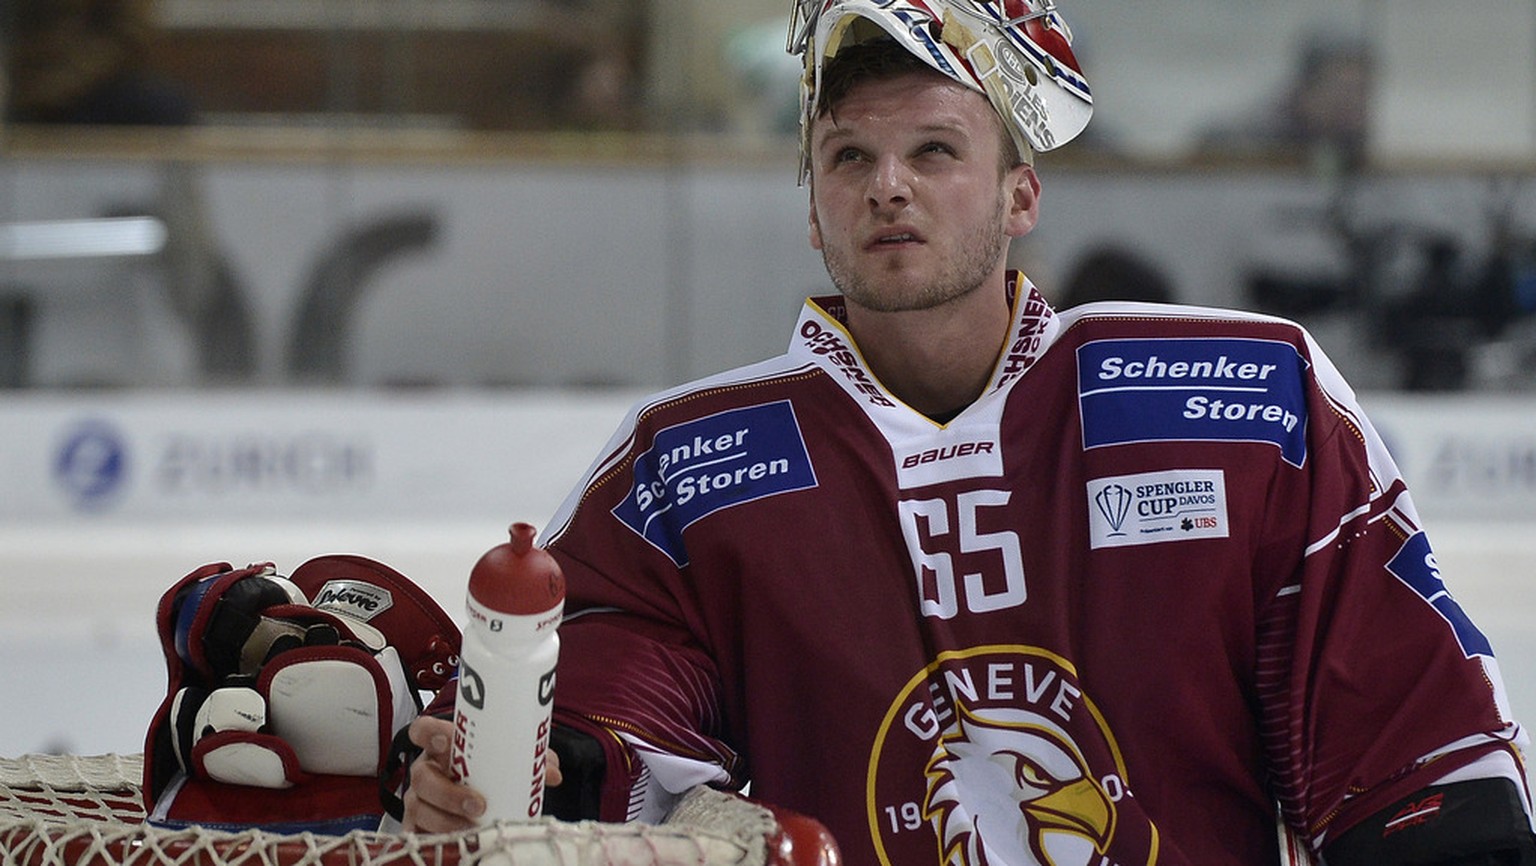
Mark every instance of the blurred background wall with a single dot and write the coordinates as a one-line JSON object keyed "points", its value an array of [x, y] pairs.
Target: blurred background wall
{"points": [[288, 277]]}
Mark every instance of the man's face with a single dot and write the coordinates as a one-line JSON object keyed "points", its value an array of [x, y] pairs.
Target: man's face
{"points": [[910, 204]]}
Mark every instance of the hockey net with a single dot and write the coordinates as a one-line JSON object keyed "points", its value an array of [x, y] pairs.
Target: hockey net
{"points": [[87, 811]]}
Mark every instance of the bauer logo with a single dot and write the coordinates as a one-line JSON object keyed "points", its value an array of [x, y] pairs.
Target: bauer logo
{"points": [[693, 470], [1193, 390], [1154, 507]]}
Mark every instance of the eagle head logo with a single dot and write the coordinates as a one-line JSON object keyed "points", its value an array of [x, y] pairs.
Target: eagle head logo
{"points": [[1012, 790]]}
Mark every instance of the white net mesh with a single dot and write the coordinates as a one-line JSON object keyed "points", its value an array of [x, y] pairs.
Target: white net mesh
{"points": [[86, 811]]}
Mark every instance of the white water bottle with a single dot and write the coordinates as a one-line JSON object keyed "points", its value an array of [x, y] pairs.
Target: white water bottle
{"points": [[507, 676]]}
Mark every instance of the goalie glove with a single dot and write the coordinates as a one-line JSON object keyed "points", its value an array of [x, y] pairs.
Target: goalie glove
{"points": [[375, 600], [332, 685], [221, 735], [229, 623], [267, 691], [319, 709]]}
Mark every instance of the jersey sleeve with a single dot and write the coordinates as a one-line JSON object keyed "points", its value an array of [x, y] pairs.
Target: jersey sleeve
{"points": [[1373, 682], [634, 672]]}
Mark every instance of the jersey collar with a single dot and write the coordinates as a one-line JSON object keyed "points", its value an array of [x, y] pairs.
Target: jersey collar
{"points": [[822, 338]]}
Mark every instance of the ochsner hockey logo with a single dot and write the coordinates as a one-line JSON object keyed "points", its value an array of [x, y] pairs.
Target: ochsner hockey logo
{"points": [[697, 468], [1016, 765]]}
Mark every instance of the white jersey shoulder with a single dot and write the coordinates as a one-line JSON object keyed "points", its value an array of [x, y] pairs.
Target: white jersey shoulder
{"points": [[622, 440]]}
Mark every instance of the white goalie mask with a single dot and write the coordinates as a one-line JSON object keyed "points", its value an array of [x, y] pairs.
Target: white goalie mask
{"points": [[1016, 52]]}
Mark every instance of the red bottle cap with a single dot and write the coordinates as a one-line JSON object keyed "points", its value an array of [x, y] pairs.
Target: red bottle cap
{"points": [[516, 577]]}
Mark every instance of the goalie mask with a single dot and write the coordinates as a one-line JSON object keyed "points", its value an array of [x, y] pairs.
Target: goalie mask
{"points": [[1016, 52]]}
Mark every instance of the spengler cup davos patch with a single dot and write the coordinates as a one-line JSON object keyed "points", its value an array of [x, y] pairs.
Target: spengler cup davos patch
{"points": [[1193, 390], [1153, 507], [697, 468]]}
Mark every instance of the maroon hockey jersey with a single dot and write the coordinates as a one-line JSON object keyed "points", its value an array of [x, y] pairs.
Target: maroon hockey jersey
{"points": [[1161, 577]]}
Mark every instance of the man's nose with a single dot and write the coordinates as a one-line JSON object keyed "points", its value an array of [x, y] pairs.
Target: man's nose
{"points": [[890, 184]]}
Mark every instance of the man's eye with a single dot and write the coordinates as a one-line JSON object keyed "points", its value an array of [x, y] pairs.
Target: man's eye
{"points": [[936, 147], [847, 154]]}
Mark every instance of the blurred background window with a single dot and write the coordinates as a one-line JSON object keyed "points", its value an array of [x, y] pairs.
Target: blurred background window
{"points": [[385, 192]]}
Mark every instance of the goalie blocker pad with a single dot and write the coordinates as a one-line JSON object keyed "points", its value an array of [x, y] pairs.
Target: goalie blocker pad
{"points": [[332, 703], [1481, 822]]}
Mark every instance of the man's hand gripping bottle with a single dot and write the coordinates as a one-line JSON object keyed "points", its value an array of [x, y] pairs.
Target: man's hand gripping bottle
{"points": [[507, 676]]}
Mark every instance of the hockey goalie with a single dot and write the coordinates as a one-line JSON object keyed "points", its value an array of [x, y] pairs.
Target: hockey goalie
{"points": [[975, 581]]}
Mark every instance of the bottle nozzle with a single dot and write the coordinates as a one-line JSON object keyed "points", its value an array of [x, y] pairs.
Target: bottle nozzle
{"points": [[517, 576], [522, 537]]}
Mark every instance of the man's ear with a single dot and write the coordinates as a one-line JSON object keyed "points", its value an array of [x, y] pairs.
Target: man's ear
{"points": [[815, 224], [1023, 189]]}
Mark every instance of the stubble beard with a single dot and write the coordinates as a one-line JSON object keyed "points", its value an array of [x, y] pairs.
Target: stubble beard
{"points": [[965, 272]]}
